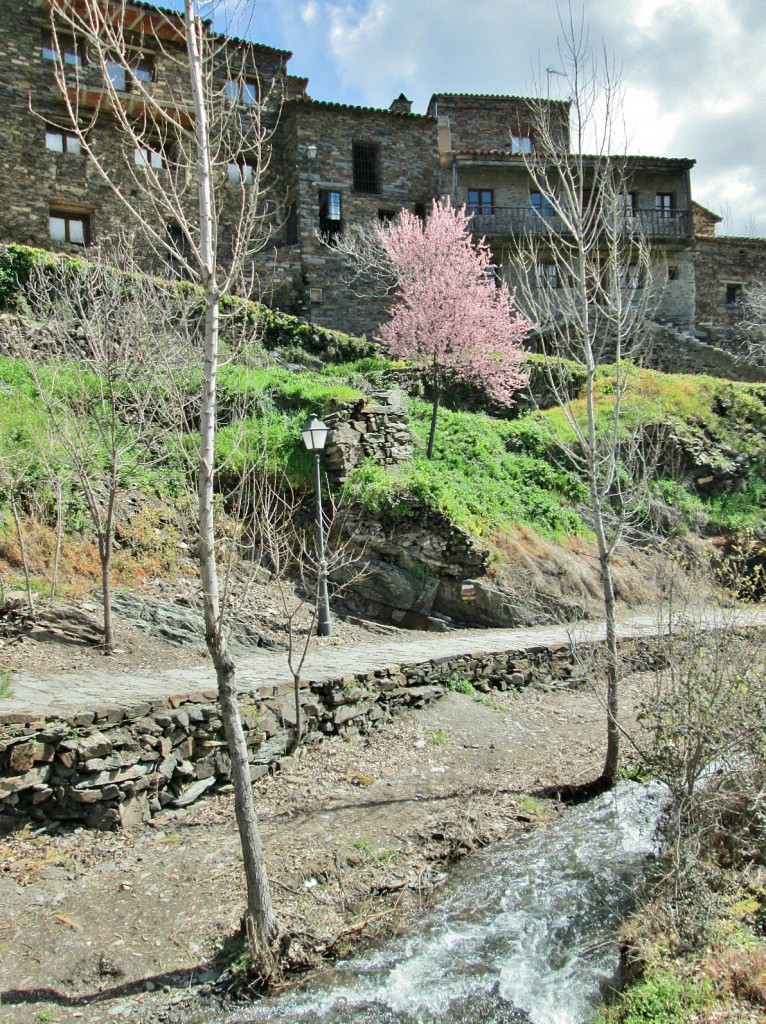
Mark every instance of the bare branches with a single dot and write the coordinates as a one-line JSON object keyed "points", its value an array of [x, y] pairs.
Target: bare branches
{"points": [[128, 71], [586, 276], [108, 413]]}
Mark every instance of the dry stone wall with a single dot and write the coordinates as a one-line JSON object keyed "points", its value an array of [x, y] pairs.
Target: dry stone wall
{"points": [[376, 428], [113, 767]]}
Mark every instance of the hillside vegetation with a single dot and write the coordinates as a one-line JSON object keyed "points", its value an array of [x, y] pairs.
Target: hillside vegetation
{"points": [[493, 472], [490, 473]]}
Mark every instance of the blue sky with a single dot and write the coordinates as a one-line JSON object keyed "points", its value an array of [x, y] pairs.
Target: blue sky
{"points": [[694, 71]]}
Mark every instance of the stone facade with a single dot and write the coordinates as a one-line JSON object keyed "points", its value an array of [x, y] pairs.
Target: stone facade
{"points": [[45, 177], [325, 192], [330, 166], [724, 268]]}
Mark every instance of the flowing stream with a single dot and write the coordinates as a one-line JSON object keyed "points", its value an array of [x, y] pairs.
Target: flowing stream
{"points": [[523, 932]]}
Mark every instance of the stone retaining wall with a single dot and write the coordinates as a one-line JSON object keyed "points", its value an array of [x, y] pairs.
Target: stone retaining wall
{"points": [[113, 767], [377, 429]]}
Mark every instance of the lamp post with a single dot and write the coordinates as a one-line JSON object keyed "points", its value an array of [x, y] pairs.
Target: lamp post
{"points": [[314, 434]]}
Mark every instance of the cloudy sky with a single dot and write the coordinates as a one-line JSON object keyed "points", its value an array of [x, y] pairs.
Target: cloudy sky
{"points": [[694, 71]]}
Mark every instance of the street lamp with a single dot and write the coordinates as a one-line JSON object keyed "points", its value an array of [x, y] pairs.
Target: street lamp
{"points": [[314, 434]]}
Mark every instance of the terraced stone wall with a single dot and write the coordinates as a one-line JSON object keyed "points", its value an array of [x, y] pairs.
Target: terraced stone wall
{"points": [[114, 767]]}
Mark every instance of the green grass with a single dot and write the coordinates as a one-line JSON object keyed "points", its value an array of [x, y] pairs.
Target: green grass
{"points": [[662, 997], [475, 479]]}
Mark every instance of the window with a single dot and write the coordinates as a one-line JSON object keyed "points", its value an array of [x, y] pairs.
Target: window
{"points": [[291, 226], [541, 204], [663, 204], [481, 200], [733, 294], [68, 226], [63, 142], [240, 172], [123, 77], [62, 47], [386, 216], [330, 215], [145, 156], [672, 273], [365, 160], [420, 211], [178, 249], [548, 275], [243, 90], [492, 275], [521, 144], [626, 202]]}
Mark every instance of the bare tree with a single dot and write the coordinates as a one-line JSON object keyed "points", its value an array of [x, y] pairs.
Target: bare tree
{"points": [[189, 173], [586, 276], [753, 322], [103, 332], [268, 526]]}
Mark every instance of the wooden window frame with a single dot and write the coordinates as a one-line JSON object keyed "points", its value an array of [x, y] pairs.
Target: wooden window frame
{"points": [[69, 216], [330, 227], [244, 91], [67, 139], [480, 205], [73, 48]]}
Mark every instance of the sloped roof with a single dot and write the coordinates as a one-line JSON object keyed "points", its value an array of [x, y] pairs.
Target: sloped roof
{"points": [[308, 102], [494, 96]]}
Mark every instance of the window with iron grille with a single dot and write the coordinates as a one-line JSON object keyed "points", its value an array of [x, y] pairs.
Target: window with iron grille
{"points": [[548, 275], [365, 159]]}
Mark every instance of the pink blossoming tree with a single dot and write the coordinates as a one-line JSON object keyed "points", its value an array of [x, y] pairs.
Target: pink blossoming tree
{"points": [[449, 317]]}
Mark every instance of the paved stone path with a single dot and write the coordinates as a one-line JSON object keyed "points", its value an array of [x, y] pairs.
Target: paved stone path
{"points": [[72, 691]]}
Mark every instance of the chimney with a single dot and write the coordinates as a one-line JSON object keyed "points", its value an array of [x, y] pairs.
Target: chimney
{"points": [[401, 105]]}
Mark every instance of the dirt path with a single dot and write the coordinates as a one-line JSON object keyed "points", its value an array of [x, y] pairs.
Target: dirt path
{"points": [[128, 926]]}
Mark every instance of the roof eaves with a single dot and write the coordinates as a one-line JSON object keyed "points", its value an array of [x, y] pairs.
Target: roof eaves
{"points": [[308, 102]]}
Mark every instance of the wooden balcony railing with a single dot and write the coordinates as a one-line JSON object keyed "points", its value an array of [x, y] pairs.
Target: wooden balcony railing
{"points": [[499, 221]]}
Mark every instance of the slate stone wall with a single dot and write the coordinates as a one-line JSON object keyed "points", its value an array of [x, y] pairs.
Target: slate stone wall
{"points": [[407, 175], [376, 428], [718, 263], [34, 178], [114, 767]]}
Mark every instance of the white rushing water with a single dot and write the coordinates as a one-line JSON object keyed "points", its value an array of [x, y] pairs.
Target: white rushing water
{"points": [[525, 932]]}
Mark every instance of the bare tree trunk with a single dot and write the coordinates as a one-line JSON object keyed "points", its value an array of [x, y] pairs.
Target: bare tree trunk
{"points": [[23, 552], [612, 761], [59, 536], [261, 924], [434, 414]]}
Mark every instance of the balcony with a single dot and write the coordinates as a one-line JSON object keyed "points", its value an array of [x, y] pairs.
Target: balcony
{"points": [[509, 221]]}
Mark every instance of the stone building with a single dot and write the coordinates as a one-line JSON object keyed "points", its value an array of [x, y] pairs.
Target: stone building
{"points": [[483, 143], [330, 166]]}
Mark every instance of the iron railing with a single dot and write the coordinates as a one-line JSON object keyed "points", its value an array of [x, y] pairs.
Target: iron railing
{"points": [[498, 221]]}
